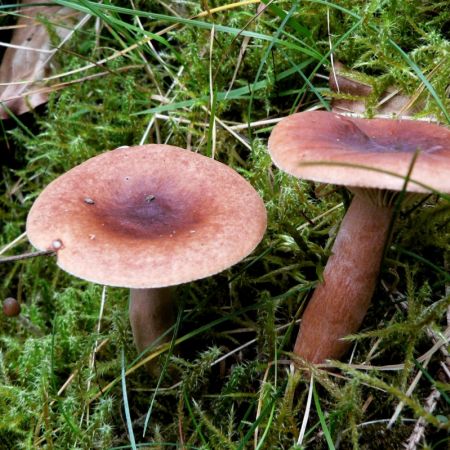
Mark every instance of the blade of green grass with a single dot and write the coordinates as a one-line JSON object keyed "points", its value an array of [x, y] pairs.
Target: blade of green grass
{"points": [[96, 9], [125, 404], [265, 411], [264, 60], [374, 169], [402, 250], [300, 29], [323, 422], [234, 94], [191, 22]]}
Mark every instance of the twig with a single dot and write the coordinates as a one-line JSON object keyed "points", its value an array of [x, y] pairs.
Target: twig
{"points": [[430, 402], [28, 255], [152, 120]]}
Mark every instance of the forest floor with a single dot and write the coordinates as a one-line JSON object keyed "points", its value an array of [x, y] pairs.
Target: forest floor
{"points": [[215, 77]]}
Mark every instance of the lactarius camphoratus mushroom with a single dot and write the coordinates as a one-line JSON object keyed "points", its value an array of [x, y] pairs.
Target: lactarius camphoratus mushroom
{"points": [[322, 146], [11, 307], [147, 218]]}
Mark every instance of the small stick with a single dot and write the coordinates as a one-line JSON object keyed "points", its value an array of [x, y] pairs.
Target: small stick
{"points": [[28, 255]]}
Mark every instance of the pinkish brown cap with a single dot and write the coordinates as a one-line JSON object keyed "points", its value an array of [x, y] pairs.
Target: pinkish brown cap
{"points": [[11, 307], [147, 216], [320, 146]]}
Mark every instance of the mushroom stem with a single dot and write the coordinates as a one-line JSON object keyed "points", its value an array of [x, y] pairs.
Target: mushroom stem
{"points": [[338, 305], [152, 312]]}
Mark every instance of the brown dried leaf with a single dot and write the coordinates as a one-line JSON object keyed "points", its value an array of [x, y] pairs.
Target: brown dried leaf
{"points": [[29, 58]]}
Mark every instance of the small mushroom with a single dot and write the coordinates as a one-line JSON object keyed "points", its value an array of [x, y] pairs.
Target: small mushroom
{"points": [[372, 157], [162, 216], [11, 307]]}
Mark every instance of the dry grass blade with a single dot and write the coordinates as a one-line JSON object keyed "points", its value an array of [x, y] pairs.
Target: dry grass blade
{"points": [[436, 339], [44, 91], [13, 243], [419, 428], [307, 412]]}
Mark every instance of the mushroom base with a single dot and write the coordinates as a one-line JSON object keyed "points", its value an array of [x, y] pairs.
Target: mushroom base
{"points": [[338, 305]]}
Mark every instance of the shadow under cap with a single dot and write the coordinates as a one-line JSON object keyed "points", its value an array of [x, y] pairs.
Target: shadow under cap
{"points": [[148, 216], [302, 140]]}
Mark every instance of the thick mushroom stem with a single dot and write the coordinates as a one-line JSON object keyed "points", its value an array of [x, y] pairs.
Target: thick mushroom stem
{"points": [[338, 305], [152, 313]]}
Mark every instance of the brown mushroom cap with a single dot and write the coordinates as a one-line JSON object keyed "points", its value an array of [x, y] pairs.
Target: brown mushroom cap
{"points": [[147, 216], [11, 307], [301, 140]]}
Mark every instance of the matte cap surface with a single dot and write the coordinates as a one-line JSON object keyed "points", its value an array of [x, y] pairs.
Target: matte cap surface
{"points": [[147, 216], [320, 146]]}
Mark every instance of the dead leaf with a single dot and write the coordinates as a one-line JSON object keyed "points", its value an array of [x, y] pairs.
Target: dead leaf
{"points": [[27, 60]]}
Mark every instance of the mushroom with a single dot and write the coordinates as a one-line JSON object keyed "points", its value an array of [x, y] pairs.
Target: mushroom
{"points": [[352, 90], [376, 159], [11, 307], [147, 218]]}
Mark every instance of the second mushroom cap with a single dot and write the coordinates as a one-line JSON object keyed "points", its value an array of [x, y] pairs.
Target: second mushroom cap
{"points": [[323, 146]]}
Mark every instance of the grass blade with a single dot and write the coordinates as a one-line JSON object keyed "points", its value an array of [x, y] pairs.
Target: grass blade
{"points": [[125, 404], [323, 423]]}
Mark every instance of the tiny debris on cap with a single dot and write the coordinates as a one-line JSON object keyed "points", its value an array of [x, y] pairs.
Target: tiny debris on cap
{"points": [[57, 244]]}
